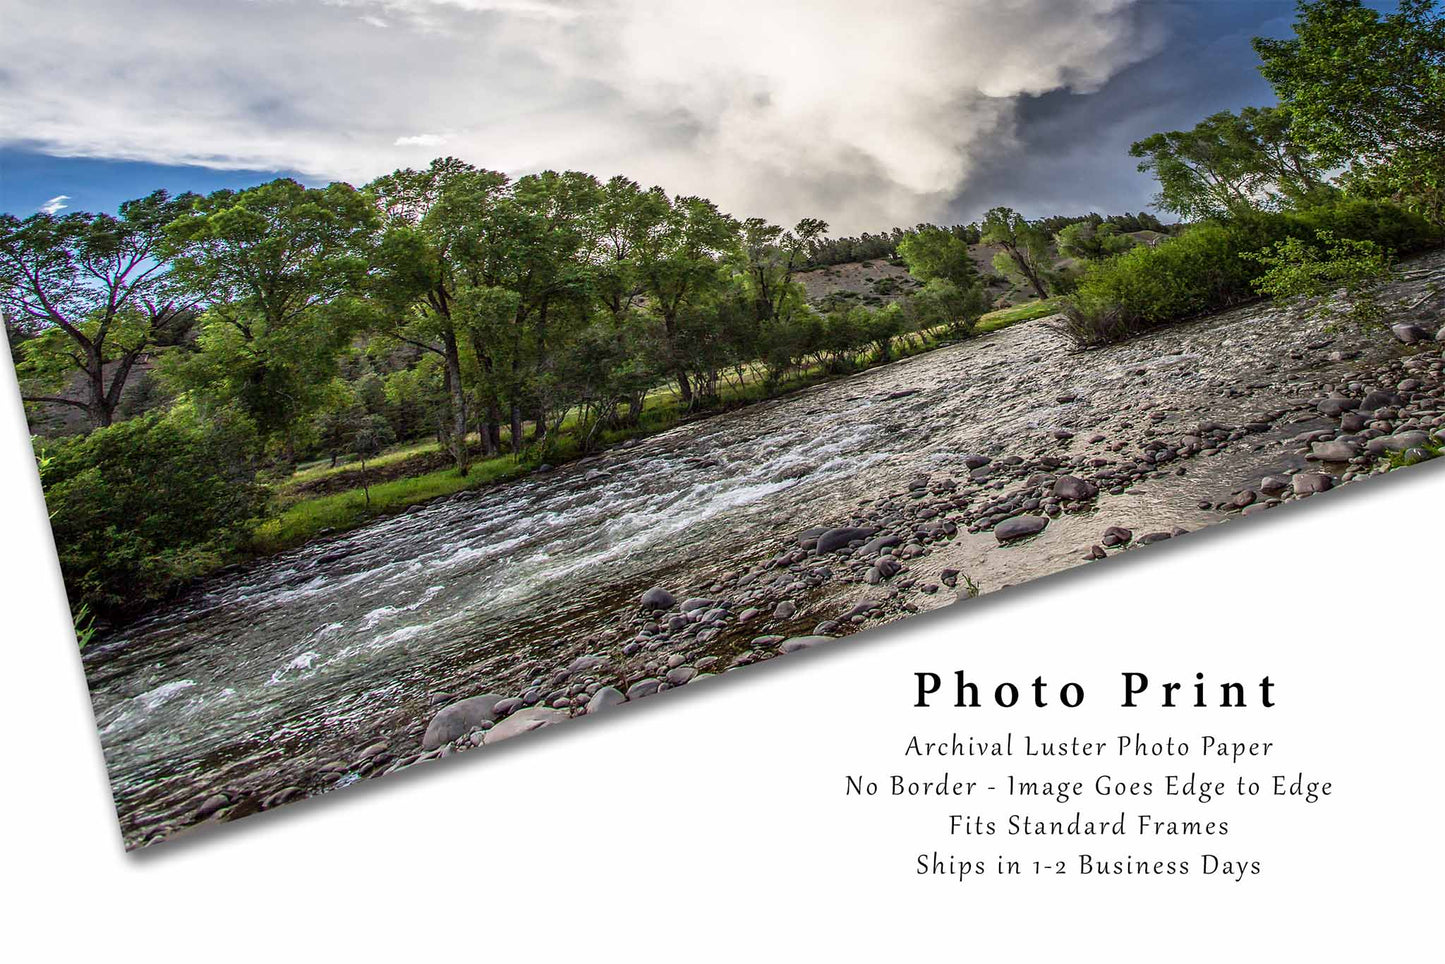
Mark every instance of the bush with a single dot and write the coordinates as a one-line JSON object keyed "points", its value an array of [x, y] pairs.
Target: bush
{"points": [[1210, 266], [141, 507]]}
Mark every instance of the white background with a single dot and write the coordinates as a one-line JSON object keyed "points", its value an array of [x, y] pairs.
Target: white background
{"points": [[711, 822]]}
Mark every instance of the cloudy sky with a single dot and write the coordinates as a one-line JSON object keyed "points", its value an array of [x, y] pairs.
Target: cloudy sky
{"points": [[867, 114]]}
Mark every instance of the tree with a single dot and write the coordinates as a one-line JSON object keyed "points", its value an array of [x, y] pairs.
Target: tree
{"points": [[370, 435], [538, 249], [944, 304], [1025, 246], [144, 505], [933, 254], [430, 250], [1229, 163], [94, 294], [1088, 241], [677, 246], [1368, 89], [276, 264], [1296, 268]]}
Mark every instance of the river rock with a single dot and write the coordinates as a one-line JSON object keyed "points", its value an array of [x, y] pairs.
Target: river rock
{"points": [[1115, 536], [459, 719], [1019, 527], [1273, 485], [1398, 442], [658, 598], [802, 642], [785, 610], [523, 721], [211, 805], [1337, 451], [835, 539], [1311, 483], [680, 675], [1337, 404], [1075, 490], [643, 687], [692, 605], [879, 544], [1410, 334], [605, 697]]}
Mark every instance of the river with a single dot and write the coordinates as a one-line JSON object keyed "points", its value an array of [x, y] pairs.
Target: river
{"points": [[264, 679]]}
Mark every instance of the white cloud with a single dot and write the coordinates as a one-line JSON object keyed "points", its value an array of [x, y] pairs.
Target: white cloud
{"points": [[420, 140], [865, 114], [56, 204]]}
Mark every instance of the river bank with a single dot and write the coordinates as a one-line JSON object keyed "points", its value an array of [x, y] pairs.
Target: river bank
{"points": [[736, 539], [323, 503]]}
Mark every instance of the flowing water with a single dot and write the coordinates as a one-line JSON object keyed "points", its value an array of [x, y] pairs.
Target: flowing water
{"points": [[258, 679]]}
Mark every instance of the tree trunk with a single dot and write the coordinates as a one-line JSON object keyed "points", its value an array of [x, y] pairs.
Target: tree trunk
{"points": [[516, 429], [458, 402]]}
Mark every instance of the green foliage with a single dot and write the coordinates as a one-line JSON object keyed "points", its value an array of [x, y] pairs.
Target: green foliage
{"points": [[1025, 247], [933, 254], [1230, 163], [1367, 89], [1210, 266], [140, 507], [1088, 241], [943, 304], [1296, 268], [86, 296]]}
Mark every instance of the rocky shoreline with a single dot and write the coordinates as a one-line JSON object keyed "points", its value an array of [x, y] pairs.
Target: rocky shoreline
{"points": [[1391, 416], [1070, 458]]}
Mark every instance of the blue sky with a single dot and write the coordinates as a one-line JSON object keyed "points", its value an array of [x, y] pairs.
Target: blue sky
{"points": [[950, 110]]}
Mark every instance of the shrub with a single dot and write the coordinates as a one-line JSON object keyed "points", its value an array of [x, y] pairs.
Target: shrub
{"points": [[1210, 266], [143, 506]]}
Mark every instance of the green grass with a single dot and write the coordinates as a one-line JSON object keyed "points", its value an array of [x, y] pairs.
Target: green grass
{"points": [[1004, 317], [300, 518], [305, 518]]}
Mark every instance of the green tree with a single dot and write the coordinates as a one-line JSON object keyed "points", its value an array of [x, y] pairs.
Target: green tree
{"points": [[431, 250], [1025, 247], [944, 304], [277, 265], [123, 539], [90, 296], [678, 244], [1088, 241], [933, 254], [1367, 89], [1229, 163], [1296, 268]]}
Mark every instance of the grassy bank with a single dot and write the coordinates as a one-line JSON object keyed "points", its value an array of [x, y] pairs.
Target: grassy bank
{"points": [[301, 517]]}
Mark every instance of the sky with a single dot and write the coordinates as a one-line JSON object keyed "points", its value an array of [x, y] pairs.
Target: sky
{"points": [[865, 114]]}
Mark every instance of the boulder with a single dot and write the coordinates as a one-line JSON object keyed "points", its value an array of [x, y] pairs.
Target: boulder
{"points": [[1337, 451], [1410, 334], [523, 721], [1310, 483], [835, 539], [459, 719], [643, 687], [1399, 442], [658, 598], [605, 697], [802, 642], [1115, 536], [1075, 490], [1019, 527]]}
